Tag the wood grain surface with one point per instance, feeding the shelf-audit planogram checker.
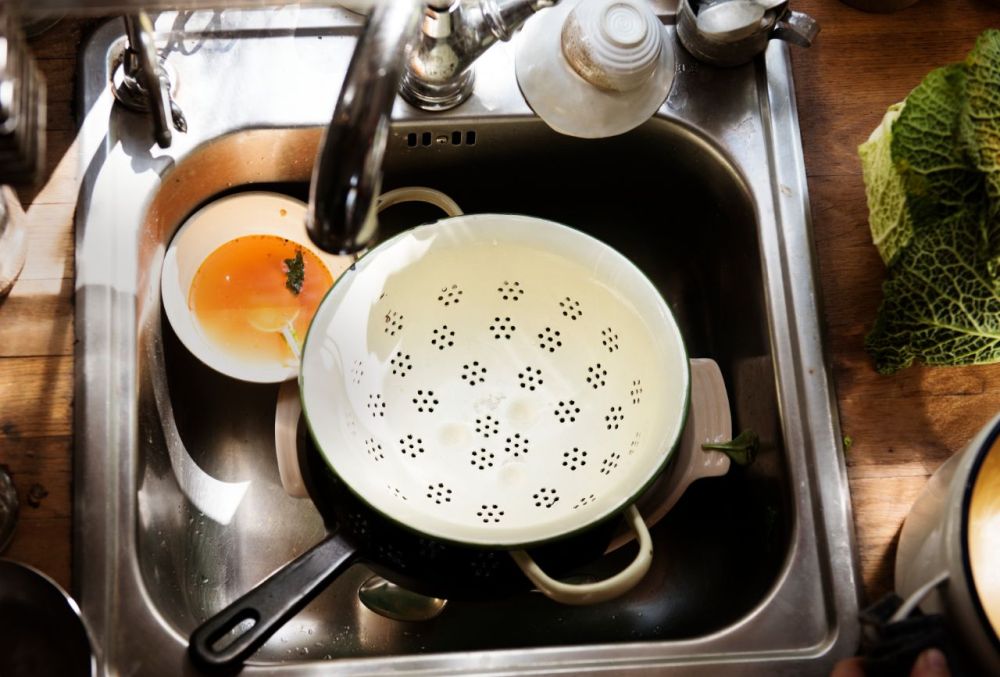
(903, 427)
(36, 332)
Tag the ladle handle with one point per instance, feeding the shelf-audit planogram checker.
(797, 28)
(268, 606)
(601, 591)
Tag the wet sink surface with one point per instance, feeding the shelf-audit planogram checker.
(195, 514)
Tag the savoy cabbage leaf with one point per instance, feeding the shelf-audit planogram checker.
(982, 112)
(941, 302)
(889, 219)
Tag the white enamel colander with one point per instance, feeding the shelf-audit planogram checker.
(497, 381)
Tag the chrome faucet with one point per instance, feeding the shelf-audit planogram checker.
(432, 69)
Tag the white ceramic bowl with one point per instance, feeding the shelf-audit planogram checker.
(256, 213)
(935, 566)
(620, 44)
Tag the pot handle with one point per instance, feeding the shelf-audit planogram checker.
(286, 448)
(268, 606)
(709, 420)
(601, 591)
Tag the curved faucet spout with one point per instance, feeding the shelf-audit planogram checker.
(348, 173)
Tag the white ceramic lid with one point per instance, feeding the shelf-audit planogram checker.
(621, 72)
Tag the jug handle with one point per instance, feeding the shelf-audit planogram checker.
(797, 28)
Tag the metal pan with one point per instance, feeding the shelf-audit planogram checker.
(358, 534)
(617, 383)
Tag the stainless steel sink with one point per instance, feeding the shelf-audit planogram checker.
(179, 508)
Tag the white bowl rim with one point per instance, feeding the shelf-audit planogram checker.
(175, 298)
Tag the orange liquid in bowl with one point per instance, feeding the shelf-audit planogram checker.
(984, 536)
(241, 300)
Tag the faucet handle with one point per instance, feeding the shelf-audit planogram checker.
(143, 85)
(439, 73)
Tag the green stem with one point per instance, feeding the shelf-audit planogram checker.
(742, 450)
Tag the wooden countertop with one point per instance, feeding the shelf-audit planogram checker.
(902, 426)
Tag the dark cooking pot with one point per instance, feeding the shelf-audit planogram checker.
(417, 358)
(359, 534)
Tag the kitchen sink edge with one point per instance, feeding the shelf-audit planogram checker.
(128, 630)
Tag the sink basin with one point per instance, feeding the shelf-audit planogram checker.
(179, 508)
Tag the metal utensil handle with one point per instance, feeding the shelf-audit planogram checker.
(919, 595)
(797, 28)
(269, 605)
(601, 591)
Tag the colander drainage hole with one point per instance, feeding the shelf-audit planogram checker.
(636, 392)
(597, 376)
(374, 449)
(443, 337)
(530, 378)
(401, 364)
(439, 493)
(570, 308)
(450, 295)
(395, 491)
(358, 371)
(586, 500)
(545, 498)
(610, 463)
(485, 564)
(393, 323)
(482, 459)
(609, 339)
(357, 522)
(487, 425)
(574, 459)
(502, 328)
(490, 513)
(376, 406)
(634, 444)
(411, 446)
(550, 339)
(425, 401)
(510, 291)
(566, 411)
(473, 373)
(614, 418)
(516, 445)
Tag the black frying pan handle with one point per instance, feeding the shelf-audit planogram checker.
(270, 604)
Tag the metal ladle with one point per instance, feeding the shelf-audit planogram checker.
(733, 32)
(392, 601)
(731, 20)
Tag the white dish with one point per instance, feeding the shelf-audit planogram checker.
(256, 213)
(625, 47)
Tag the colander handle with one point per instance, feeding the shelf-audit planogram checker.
(601, 591)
